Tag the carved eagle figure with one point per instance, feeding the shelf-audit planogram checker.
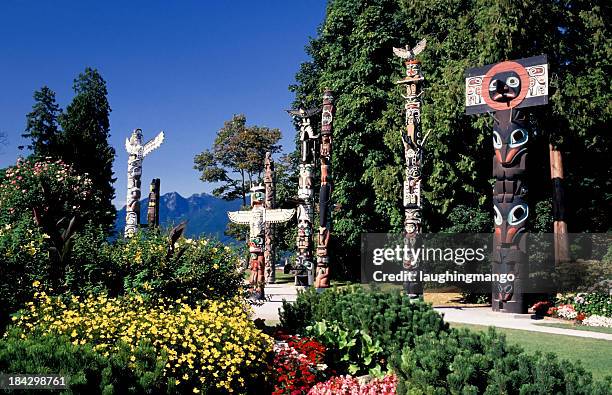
(301, 113)
(410, 54)
(134, 145)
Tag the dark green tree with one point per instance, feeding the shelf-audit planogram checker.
(42, 127)
(84, 140)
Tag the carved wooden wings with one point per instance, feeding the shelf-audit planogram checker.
(240, 217)
(153, 144)
(277, 216)
(407, 53)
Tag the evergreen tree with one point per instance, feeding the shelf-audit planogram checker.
(41, 125)
(84, 140)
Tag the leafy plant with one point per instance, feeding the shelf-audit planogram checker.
(371, 324)
(352, 351)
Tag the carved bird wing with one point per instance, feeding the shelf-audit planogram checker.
(403, 53)
(153, 144)
(240, 217)
(277, 216)
(304, 113)
(419, 47)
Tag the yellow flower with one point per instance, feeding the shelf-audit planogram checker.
(36, 284)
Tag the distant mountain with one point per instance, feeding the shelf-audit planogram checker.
(206, 214)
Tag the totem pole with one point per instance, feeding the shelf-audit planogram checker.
(257, 218)
(327, 118)
(304, 264)
(269, 252)
(504, 89)
(137, 151)
(413, 152)
(153, 207)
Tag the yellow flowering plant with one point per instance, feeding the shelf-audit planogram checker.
(194, 268)
(209, 347)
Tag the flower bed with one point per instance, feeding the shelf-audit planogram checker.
(298, 365)
(212, 347)
(348, 385)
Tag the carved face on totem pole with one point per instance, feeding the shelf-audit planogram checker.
(305, 190)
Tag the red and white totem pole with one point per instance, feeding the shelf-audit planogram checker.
(504, 90)
(413, 141)
(269, 251)
(325, 220)
(257, 218)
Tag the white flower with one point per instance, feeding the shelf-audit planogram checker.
(598, 320)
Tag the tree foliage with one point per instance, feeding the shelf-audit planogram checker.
(84, 140)
(352, 55)
(78, 136)
(42, 124)
(236, 159)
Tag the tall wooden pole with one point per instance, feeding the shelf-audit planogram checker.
(270, 251)
(412, 139)
(325, 192)
(304, 262)
(559, 225)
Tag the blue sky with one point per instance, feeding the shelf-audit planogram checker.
(179, 66)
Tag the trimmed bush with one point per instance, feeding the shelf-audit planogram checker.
(212, 347)
(87, 371)
(386, 322)
(464, 362)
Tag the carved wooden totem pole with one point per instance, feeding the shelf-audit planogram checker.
(325, 220)
(257, 218)
(269, 251)
(304, 264)
(153, 207)
(137, 151)
(413, 140)
(504, 89)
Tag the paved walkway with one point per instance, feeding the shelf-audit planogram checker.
(275, 294)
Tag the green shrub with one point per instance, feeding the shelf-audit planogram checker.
(86, 370)
(26, 257)
(390, 320)
(23, 260)
(465, 362)
(198, 269)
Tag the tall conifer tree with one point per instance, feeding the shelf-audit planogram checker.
(41, 124)
(84, 141)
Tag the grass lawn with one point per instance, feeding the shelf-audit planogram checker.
(577, 327)
(595, 354)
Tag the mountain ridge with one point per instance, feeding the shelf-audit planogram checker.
(206, 214)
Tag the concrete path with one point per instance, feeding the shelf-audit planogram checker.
(485, 316)
(275, 293)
